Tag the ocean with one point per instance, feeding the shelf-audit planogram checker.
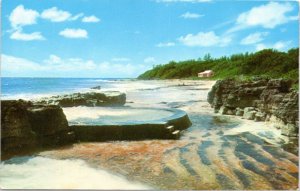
(30, 88)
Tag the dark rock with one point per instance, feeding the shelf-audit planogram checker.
(269, 97)
(231, 112)
(223, 110)
(96, 88)
(259, 116)
(249, 113)
(50, 124)
(27, 127)
(16, 132)
(282, 85)
(239, 112)
(289, 130)
(112, 98)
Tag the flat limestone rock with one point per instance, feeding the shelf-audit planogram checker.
(108, 98)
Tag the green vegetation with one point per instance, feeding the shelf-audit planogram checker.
(265, 63)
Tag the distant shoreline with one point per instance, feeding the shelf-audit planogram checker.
(267, 63)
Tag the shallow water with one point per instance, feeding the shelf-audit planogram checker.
(216, 152)
(113, 115)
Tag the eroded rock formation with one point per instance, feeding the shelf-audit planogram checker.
(112, 98)
(26, 127)
(259, 100)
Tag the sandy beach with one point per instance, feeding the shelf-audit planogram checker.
(216, 152)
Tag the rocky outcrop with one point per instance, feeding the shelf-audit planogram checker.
(26, 127)
(259, 100)
(112, 98)
(96, 88)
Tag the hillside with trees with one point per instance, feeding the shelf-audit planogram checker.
(265, 63)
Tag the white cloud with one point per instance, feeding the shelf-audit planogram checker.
(120, 70)
(189, 15)
(16, 65)
(107, 69)
(20, 17)
(184, 1)
(254, 38)
(294, 18)
(90, 19)
(74, 33)
(53, 59)
(267, 16)
(149, 60)
(55, 66)
(19, 35)
(280, 45)
(166, 44)
(204, 39)
(70, 64)
(120, 59)
(260, 46)
(56, 63)
(75, 17)
(55, 15)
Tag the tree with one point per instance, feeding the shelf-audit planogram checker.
(207, 57)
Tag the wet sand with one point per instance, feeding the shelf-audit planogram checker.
(216, 152)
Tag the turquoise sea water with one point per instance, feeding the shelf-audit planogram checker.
(16, 88)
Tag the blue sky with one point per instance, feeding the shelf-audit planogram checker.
(123, 38)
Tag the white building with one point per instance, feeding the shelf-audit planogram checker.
(206, 74)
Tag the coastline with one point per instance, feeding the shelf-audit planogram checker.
(205, 108)
(129, 158)
(193, 156)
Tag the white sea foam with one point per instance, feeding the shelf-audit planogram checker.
(37, 96)
(129, 86)
(46, 173)
(26, 96)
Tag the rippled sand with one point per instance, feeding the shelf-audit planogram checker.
(216, 152)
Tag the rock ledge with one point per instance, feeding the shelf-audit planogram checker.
(259, 100)
(109, 98)
(27, 127)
